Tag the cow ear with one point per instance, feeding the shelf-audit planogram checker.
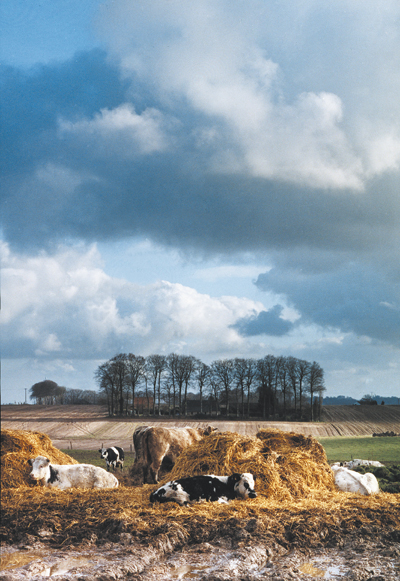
(30, 461)
(100, 451)
(236, 477)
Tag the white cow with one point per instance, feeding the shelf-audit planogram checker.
(71, 475)
(350, 481)
(357, 462)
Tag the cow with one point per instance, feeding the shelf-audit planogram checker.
(194, 489)
(155, 446)
(351, 481)
(113, 456)
(357, 462)
(71, 475)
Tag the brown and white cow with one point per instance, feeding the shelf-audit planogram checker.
(155, 446)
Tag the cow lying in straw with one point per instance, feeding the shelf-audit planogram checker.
(156, 446)
(71, 475)
(350, 481)
(357, 462)
(207, 487)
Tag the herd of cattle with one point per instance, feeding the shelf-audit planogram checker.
(159, 447)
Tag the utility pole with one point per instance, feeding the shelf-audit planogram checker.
(25, 395)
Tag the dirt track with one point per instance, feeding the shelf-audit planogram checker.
(87, 427)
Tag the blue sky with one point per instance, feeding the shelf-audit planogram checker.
(216, 178)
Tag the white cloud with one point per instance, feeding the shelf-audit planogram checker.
(66, 303)
(218, 57)
(201, 53)
(120, 130)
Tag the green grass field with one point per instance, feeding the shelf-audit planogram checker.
(340, 449)
(93, 457)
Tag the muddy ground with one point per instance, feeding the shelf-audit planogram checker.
(247, 553)
(365, 557)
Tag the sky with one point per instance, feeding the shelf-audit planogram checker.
(212, 178)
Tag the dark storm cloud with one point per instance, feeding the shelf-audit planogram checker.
(265, 323)
(32, 102)
(354, 298)
(62, 180)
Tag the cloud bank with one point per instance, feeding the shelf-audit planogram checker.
(218, 129)
(65, 306)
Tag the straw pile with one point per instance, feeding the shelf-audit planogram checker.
(286, 465)
(124, 515)
(17, 446)
(280, 514)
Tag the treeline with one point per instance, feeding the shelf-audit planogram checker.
(269, 387)
(48, 392)
(370, 399)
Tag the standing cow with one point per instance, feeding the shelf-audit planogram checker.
(114, 457)
(155, 446)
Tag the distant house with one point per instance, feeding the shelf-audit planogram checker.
(142, 405)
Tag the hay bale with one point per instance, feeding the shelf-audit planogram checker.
(17, 446)
(286, 466)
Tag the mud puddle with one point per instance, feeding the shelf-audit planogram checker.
(203, 562)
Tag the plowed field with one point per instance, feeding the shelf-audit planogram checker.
(85, 427)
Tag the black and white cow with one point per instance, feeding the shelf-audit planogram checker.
(206, 488)
(114, 457)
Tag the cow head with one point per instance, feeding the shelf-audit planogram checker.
(103, 453)
(244, 485)
(39, 467)
(207, 431)
(171, 491)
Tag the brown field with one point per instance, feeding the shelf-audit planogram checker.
(85, 427)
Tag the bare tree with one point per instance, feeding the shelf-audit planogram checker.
(245, 371)
(250, 376)
(189, 365)
(155, 365)
(202, 377)
(315, 384)
(291, 363)
(106, 379)
(265, 376)
(135, 366)
(302, 371)
(47, 392)
(223, 374)
(284, 383)
(215, 392)
(118, 364)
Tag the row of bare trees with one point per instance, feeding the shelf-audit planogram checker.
(241, 387)
(48, 392)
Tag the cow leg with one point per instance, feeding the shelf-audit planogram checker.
(146, 475)
(154, 473)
